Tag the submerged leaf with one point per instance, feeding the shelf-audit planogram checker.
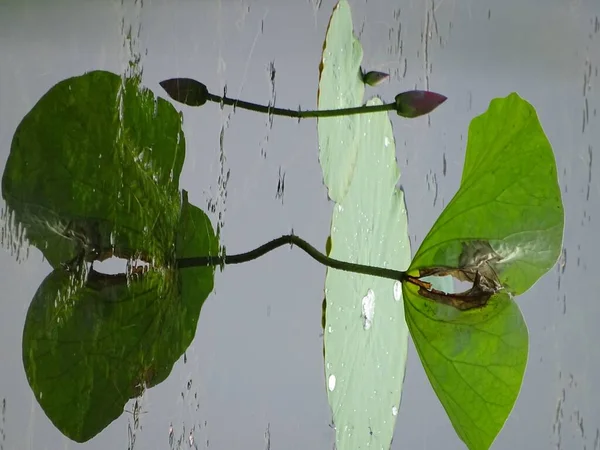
(94, 170)
(87, 350)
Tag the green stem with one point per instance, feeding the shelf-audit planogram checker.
(291, 240)
(299, 114)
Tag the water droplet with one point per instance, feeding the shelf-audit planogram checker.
(330, 330)
(368, 309)
(394, 410)
(386, 141)
(340, 208)
(331, 382)
(397, 291)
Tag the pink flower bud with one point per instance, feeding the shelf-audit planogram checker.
(413, 104)
(373, 78)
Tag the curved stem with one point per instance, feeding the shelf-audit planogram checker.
(300, 114)
(291, 240)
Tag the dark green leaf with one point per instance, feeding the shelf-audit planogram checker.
(88, 349)
(94, 171)
(94, 168)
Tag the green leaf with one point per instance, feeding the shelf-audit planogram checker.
(93, 167)
(365, 335)
(340, 86)
(93, 171)
(88, 349)
(509, 199)
(195, 236)
(475, 360)
(502, 231)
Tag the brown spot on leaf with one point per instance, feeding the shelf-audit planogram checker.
(477, 266)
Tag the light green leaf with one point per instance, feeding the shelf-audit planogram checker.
(502, 231)
(365, 332)
(366, 336)
(340, 86)
(475, 360)
(508, 199)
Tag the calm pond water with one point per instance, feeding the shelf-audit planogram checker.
(253, 375)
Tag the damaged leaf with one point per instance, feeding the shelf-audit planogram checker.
(501, 232)
(508, 211)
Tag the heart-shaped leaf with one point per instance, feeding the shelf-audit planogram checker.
(502, 231)
(93, 171)
(88, 349)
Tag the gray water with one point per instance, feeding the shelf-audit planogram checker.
(255, 368)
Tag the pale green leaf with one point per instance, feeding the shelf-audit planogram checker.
(340, 86)
(365, 332)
